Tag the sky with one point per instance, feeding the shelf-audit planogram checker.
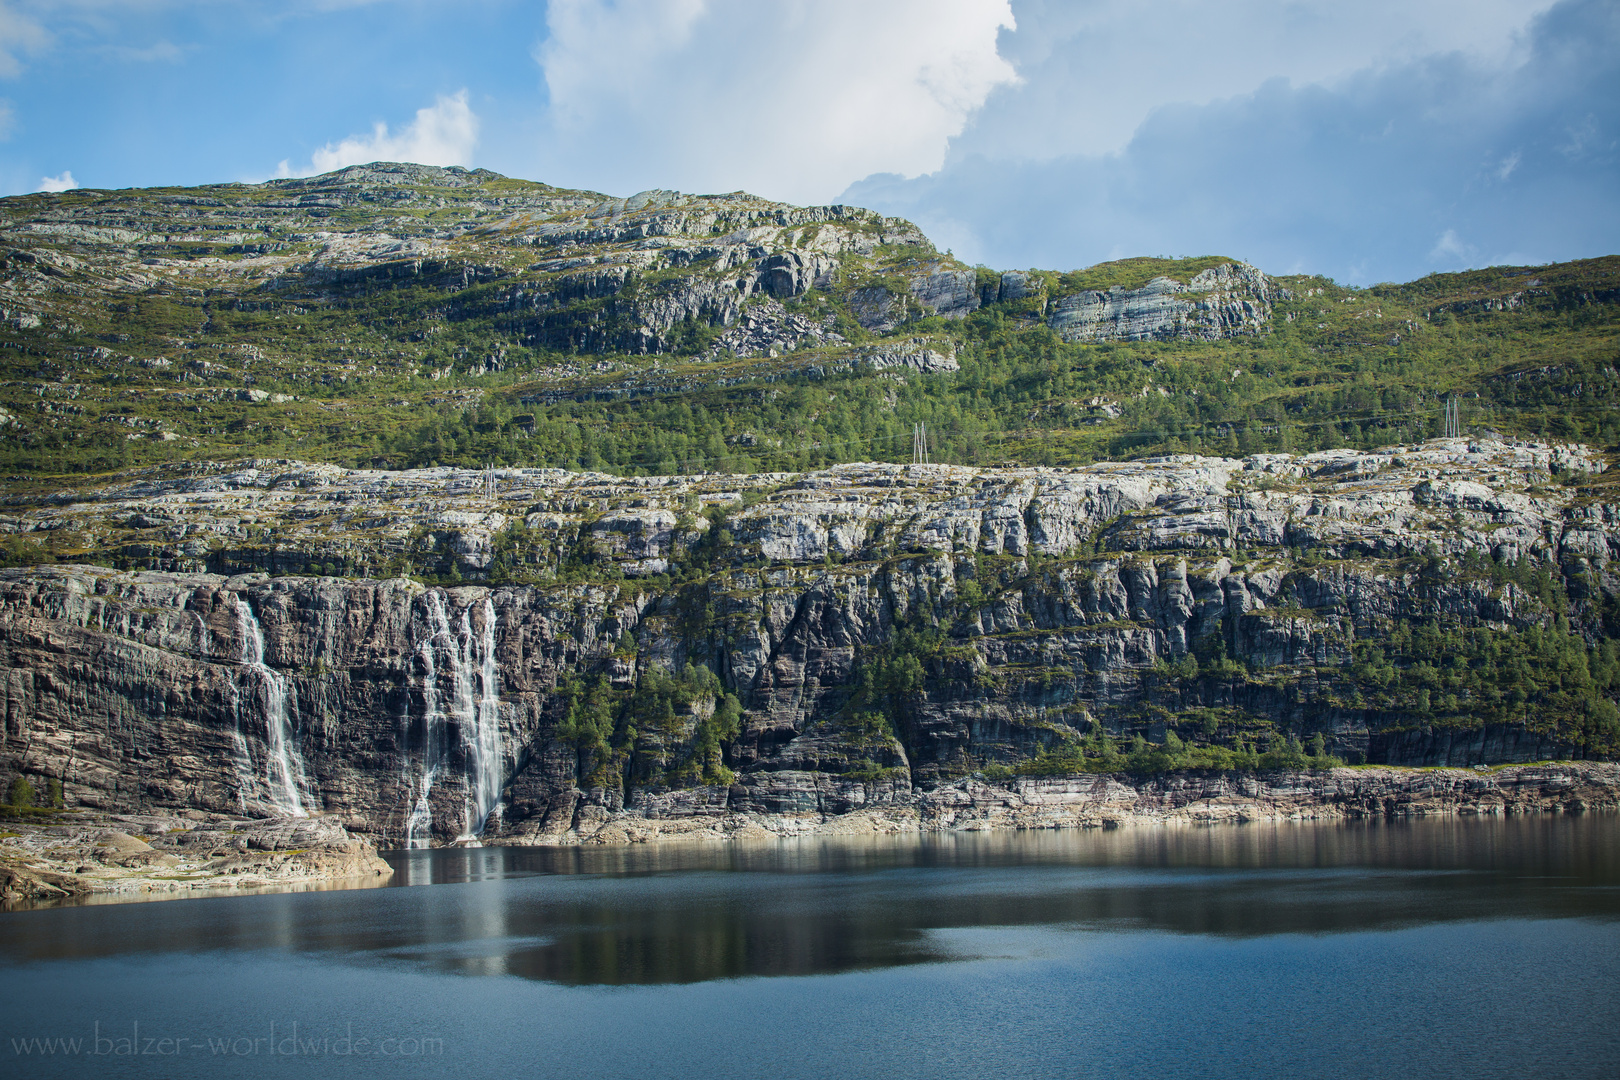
(1374, 141)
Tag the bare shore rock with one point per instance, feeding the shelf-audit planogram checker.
(165, 856)
(1111, 801)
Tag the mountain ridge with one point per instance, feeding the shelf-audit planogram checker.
(407, 315)
(465, 506)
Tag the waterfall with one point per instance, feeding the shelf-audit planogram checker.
(284, 778)
(433, 721)
(482, 738)
(474, 704)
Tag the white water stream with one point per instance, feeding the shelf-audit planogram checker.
(271, 697)
(482, 738)
(419, 823)
(475, 707)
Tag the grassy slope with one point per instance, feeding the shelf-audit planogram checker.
(353, 362)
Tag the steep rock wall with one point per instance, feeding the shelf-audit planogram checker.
(874, 632)
(1221, 302)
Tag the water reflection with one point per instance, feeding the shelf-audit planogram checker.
(676, 914)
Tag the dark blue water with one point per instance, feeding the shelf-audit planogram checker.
(1480, 948)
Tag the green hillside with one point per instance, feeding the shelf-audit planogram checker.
(167, 324)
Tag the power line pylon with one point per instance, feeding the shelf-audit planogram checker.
(919, 444)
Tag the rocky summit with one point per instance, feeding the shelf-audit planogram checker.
(569, 269)
(418, 506)
(399, 316)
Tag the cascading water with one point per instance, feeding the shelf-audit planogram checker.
(482, 738)
(284, 778)
(475, 707)
(420, 822)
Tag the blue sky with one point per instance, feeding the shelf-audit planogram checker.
(1375, 141)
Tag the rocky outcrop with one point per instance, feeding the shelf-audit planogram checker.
(1112, 801)
(873, 632)
(951, 294)
(768, 329)
(793, 273)
(163, 856)
(540, 267)
(1221, 302)
(640, 316)
(1016, 285)
(878, 309)
(915, 355)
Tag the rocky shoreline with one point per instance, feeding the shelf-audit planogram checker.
(128, 857)
(1111, 801)
(118, 858)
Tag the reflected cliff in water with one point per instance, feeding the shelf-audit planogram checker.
(680, 914)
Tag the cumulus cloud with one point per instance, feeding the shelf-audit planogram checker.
(65, 182)
(444, 133)
(790, 99)
(1377, 175)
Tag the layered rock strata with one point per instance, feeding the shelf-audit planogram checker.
(280, 516)
(1224, 301)
(1122, 599)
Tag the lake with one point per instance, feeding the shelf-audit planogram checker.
(1443, 948)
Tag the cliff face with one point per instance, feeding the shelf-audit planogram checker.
(874, 632)
(1222, 302)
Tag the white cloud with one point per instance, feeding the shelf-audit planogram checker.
(1450, 248)
(790, 99)
(8, 120)
(18, 35)
(65, 182)
(1382, 175)
(161, 52)
(1581, 135)
(1093, 72)
(444, 133)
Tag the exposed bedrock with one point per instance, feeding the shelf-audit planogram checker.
(874, 633)
(163, 855)
(1222, 302)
